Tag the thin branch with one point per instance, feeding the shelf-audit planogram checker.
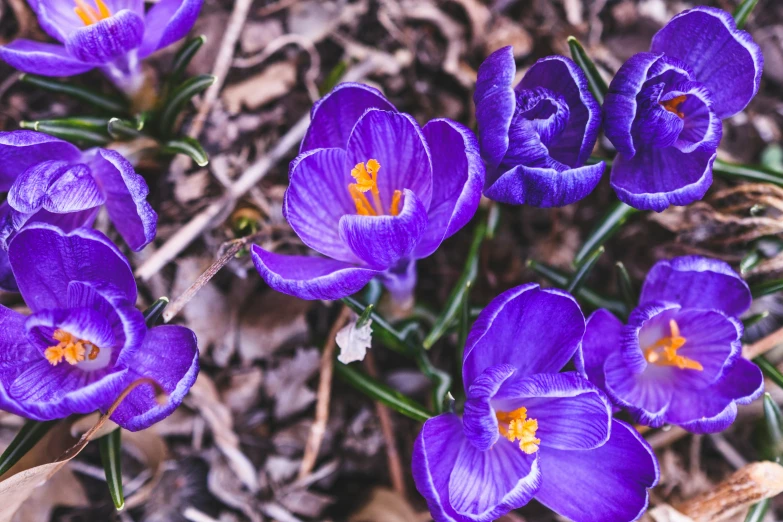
(318, 427)
(762, 346)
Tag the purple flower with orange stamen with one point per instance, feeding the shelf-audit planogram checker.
(51, 181)
(679, 358)
(537, 136)
(529, 431)
(373, 192)
(112, 35)
(664, 108)
(84, 341)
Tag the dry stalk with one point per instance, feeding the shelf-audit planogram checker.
(396, 474)
(318, 428)
(763, 345)
(736, 494)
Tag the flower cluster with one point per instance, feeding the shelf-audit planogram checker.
(111, 35)
(371, 192)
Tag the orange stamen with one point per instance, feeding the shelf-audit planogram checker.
(88, 14)
(395, 206)
(70, 348)
(516, 426)
(664, 351)
(673, 105)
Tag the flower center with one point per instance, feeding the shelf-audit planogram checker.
(673, 105)
(516, 426)
(664, 351)
(70, 348)
(367, 180)
(89, 14)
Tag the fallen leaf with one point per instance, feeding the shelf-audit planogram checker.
(286, 383)
(268, 321)
(385, 505)
(63, 489)
(276, 80)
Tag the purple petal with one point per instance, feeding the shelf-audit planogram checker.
(702, 127)
(656, 178)
(396, 142)
(697, 282)
(83, 323)
(45, 261)
(434, 454)
(495, 104)
(722, 57)
(15, 352)
(607, 483)
(714, 409)
(655, 126)
(620, 105)
(485, 485)
(42, 58)
(310, 277)
(20, 150)
(545, 187)
(169, 355)
(56, 17)
(572, 414)
(532, 329)
(382, 241)
(56, 186)
(603, 335)
(564, 77)
(107, 39)
(316, 199)
(7, 279)
(481, 424)
(334, 116)
(167, 22)
(457, 179)
(126, 198)
(400, 281)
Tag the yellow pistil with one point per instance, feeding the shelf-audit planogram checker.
(673, 105)
(88, 14)
(366, 177)
(664, 351)
(70, 348)
(516, 426)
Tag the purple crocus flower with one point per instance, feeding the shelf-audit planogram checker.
(679, 358)
(535, 138)
(529, 431)
(84, 341)
(50, 180)
(373, 192)
(664, 108)
(112, 35)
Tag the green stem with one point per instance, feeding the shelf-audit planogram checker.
(583, 271)
(612, 221)
(742, 12)
(595, 82)
(111, 458)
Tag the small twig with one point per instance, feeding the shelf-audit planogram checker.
(222, 64)
(396, 473)
(728, 451)
(763, 345)
(318, 427)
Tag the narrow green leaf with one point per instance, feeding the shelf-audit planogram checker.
(766, 288)
(615, 218)
(110, 446)
(99, 101)
(68, 132)
(755, 173)
(585, 294)
(76, 122)
(382, 393)
(122, 129)
(392, 338)
(183, 58)
(769, 370)
(750, 261)
(595, 82)
(754, 319)
(583, 271)
(773, 421)
(627, 289)
(365, 316)
(154, 311)
(742, 12)
(333, 78)
(189, 147)
(454, 302)
(179, 97)
(757, 512)
(28, 436)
